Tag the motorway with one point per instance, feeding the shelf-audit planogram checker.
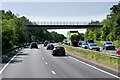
(39, 63)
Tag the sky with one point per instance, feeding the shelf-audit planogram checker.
(60, 11)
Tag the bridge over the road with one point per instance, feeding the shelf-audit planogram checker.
(61, 25)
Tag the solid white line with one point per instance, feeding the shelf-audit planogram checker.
(46, 63)
(53, 72)
(96, 68)
(7, 64)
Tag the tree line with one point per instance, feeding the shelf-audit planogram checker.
(14, 33)
(111, 27)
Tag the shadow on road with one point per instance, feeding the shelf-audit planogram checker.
(15, 61)
(67, 55)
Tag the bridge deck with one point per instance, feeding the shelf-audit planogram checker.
(62, 26)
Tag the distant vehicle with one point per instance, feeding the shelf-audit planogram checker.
(80, 43)
(84, 45)
(45, 43)
(59, 50)
(93, 46)
(65, 42)
(89, 41)
(50, 47)
(118, 51)
(52, 41)
(33, 45)
(108, 45)
(73, 38)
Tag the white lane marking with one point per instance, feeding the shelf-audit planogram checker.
(7, 64)
(42, 57)
(96, 68)
(46, 63)
(53, 72)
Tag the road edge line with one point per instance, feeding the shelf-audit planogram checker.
(8, 63)
(95, 67)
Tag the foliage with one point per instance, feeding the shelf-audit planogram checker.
(111, 29)
(14, 33)
(103, 58)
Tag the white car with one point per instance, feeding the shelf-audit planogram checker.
(92, 46)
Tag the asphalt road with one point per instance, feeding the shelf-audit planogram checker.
(39, 63)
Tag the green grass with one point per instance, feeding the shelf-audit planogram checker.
(95, 56)
(116, 43)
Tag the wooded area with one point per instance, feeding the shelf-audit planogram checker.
(14, 33)
(111, 29)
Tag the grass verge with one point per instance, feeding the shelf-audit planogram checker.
(103, 58)
(9, 54)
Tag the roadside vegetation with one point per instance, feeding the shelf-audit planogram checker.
(111, 29)
(14, 32)
(103, 58)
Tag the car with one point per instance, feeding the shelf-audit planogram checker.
(93, 46)
(33, 45)
(45, 43)
(50, 47)
(89, 41)
(65, 42)
(108, 45)
(84, 45)
(58, 50)
(80, 43)
(118, 51)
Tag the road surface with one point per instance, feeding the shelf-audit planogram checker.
(39, 63)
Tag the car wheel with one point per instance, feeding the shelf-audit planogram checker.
(105, 48)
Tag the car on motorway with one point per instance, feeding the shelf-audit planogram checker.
(89, 41)
(84, 45)
(58, 50)
(33, 45)
(50, 47)
(118, 51)
(80, 43)
(108, 45)
(93, 46)
(65, 42)
(45, 43)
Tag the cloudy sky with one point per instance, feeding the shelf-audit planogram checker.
(60, 11)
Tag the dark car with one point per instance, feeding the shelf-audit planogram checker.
(59, 50)
(45, 44)
(108, 45)
(93, 46)
(80, 43)
(84, 45)
(50, 47)
(33, 45)
(89, 41)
